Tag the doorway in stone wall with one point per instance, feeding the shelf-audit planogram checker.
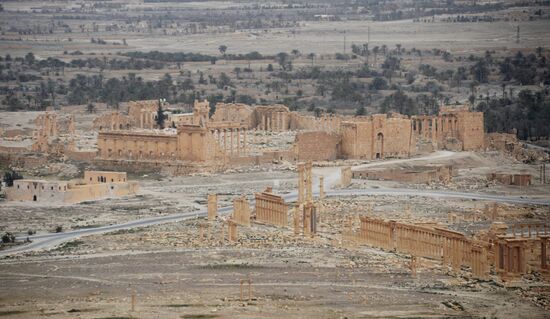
(379, 146)
(34, 198)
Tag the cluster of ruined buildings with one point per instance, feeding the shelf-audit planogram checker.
(502, 251)
(193, 141)
(95, 185)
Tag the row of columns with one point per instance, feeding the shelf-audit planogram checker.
(146, 119)
(527, 230)
(275, 122)
(453, 249)
(329, 123)
(434, 127)
(418, 242)
(510, 257)
(232, 140)
(271, 211)
(375, 233)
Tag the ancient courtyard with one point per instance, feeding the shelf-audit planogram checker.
(392, 164)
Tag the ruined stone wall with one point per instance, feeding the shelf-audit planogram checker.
(471, 130)
(274, 118)
(453, 128)
(326, 122)
(511, 179)
(503, 142)
(234, 112)
(316, 146)
(84, 156)
(154, 145)
(175, 120)
(376, 136)
(80, 193)
(28, 161)
(413, 175)
(197, 144)
(190, 143)
(112, 121)
(143, 113)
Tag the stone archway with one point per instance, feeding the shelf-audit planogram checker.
(379, 146)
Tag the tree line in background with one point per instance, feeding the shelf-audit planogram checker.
(409, 91)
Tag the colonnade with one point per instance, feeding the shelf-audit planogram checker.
(271, 209)
(528, 230)
(232, 141)
(275, 122)
(435, 127)
(452, 248)
(146, 119)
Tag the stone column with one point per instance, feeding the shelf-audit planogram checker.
(245, 146)
(301, 188)
(225, 140)
(321, 187)
(238, 142)
(231, 142)
(212, 206)
(309, 186)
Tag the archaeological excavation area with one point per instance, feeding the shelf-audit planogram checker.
(236, 210)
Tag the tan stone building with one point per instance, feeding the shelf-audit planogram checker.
(377, 136)
(112, 121)
(454, 128)
(95, 185)
(143, 114)
(317, 146)
(53, 134)
(187, 143)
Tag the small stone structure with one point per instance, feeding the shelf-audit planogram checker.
(305, 183)
(309, 219)
(95, 185)
(453, 128)
(271, 209)
(212, 206)
(305, 212)
(241, 211)
(377, 136)
(511, 179)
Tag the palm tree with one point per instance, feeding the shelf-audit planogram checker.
(222, 48)
(311, 56)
